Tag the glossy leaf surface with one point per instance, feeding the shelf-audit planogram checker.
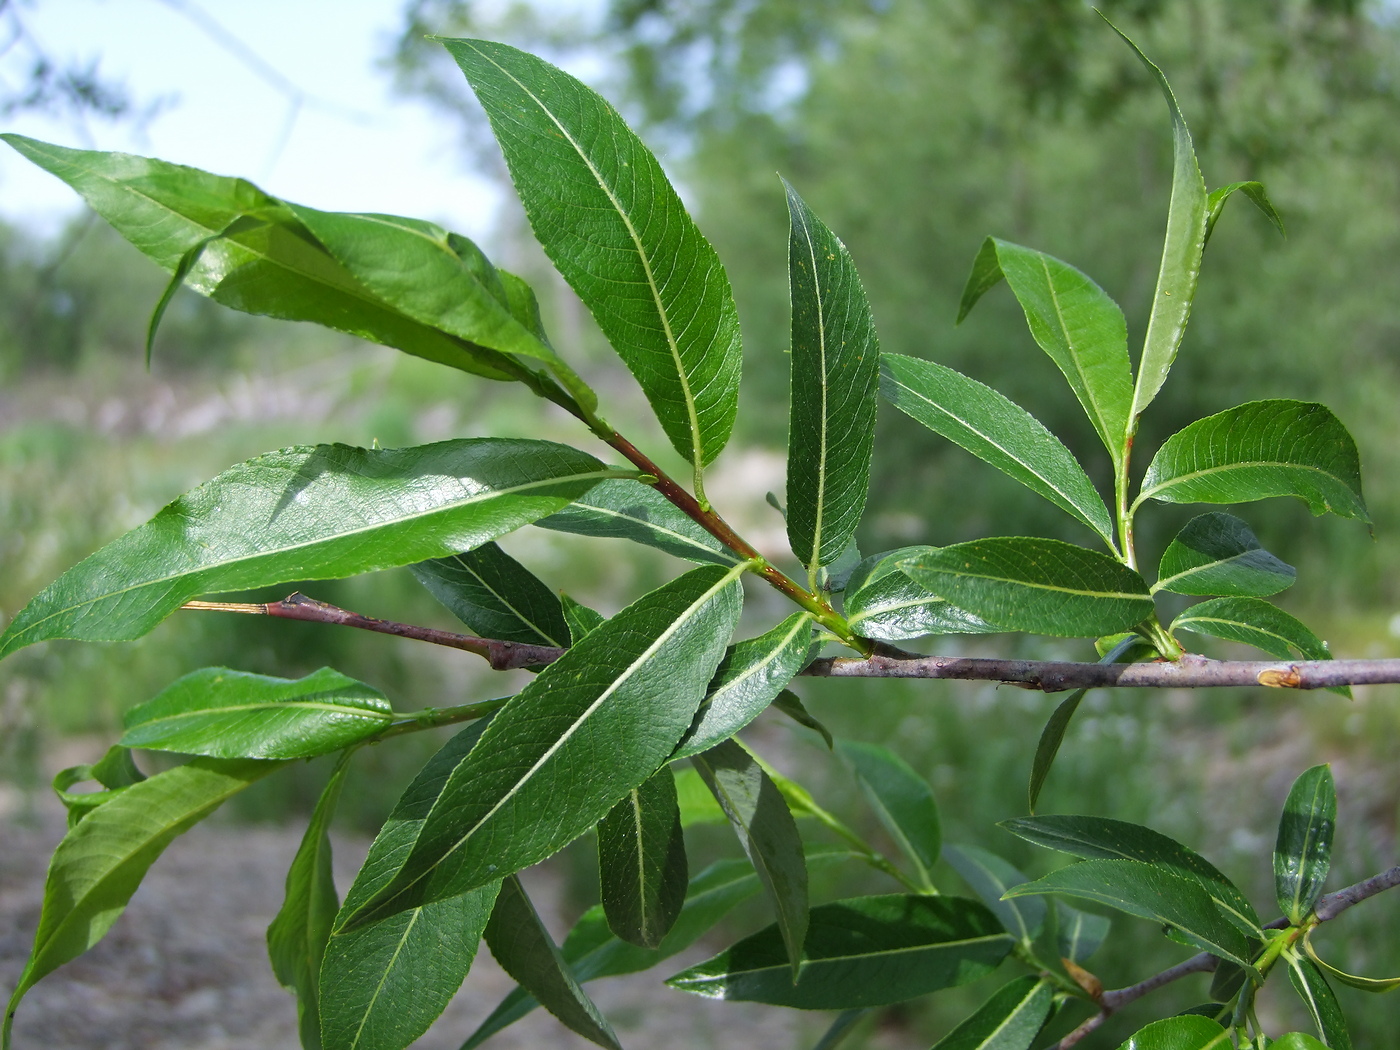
(496, 596)
(1038, 585)
(989, 876)
(1252, 621)
(1320, 1001)
(1375, 985)
(321, 512)
(620, 509)
(901, 799)
(581, 619)
(1009, 1020)
(1303, 850)
(1217, 553)
(883, 603)
(1180, 1033)
(641, 862)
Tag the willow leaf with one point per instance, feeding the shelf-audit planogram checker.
(642, 869)
(1009, 1020)
(1303, 850)
(632, 511)
(883, 603)
(496, 596)
(1217, 553)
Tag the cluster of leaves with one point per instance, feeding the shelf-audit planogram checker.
(591, 741)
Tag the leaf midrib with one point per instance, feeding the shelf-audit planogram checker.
(1117, 595)
(813, 964)
(804, 620)
(1100, 423)
(266, 705)
(1248, 464)
(682, 537)
(823, 427)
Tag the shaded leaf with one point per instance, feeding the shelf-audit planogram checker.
(989, 876)
(641, 861)
(790, 704)
(1252, 621)
(1009, 1020)
(1303, 850)
(1080, 933)
(623, 509)
(495, 596)
(1215, 205)
(883, 603)
(581, 619)
(1364, 984)
(697, 804)
(1180, 1033)
(115, 771)
(1318, 998)
(844, 1024)
(901, 799)
(1217, 553)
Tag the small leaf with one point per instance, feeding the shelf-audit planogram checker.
(1228, 980)
(1038, 585)
(641, 862)
(115, 771)
(1303, 852)
(865, 951)
(1009, 1020)
(697, 805)
(232, 714)
(990, 877)
(1217, 553)
(764, 825)
(629, 510)
(995, 430)
(885, 604)
(1215, 204)
(1257, 450)
(1251, 621)
(1318, 998)
(581, 619)
(496, 596)
(524, 949)
(1364, 984)
(1180, 1033)
(901, 799)
(1080, 933)
(790, 704)
(1296, 1041)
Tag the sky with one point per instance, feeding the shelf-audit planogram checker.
(356, 147)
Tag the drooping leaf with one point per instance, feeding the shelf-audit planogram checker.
(1215, 204)
(1261, 449)
(632, 511)
(865, 951)
(765, 828)
(1375, 985)
(614, 706)
(115, 771)
(321, 512)
(885, 604)
(835, 368)
(233, 714)
(1080, 933)
(1009, 1020)
(1252, 621)
(1319, 999)
(496, 596)
(750, 676)
(1038, 585)
(995, 430)
(790, 704)
(523, 947)
(1217, 553)
(611, 223)
(1303, 850)
(901, 799)
(1180, 1033)
(989, 876)
(642, 868)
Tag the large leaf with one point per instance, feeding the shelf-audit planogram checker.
(1190, 1032)
(303, 513)
(1321, 1002)
(1039, 585)
(588, 729)
(835, 368)
(1075, 323)
(632, 511)
(866, 951)
(1261, 449)
(996, 430)
(642, 868)
(1217, 553)
(496, 596)
(901, 799)
(233, 714)
(989, 876)
(885, 604)
(609, 220)
(1303, 850)
(1252, 621)
(750, 676)
(761, 819)
(1009, 1020)
(100, 862)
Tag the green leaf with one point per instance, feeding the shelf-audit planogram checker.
(581, 619)
(988, 876)
(641, 862)
(1150, 891)
(1215, 205)
(1102, 838)
(496, 596)
(524, 949)
(629, 510)
(997, 431)
(1257, 450)
(1217, 553)
(1180, 1033)
(750, 676)
(609, 220)
(1296, 1041)
(1075, 322)
(115, 771)
(835, 368)
(885, 604)
(1038, 585)
(233, 714)
(865, 951)
(1318, 998)
(1303, 851)
(321, 512)
(1364, 984)
(100, 862)
(1252, 621)
(1080, 933)
(901, 799)
(836, 1034)
(589, 728)
(765, 827)
(296, 939)
(790, 704)
(697, 805)
(1009, 1020)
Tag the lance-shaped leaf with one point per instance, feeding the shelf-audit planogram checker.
(790, 704)
(1215, 204)
(589, 728)
(1080, 933)
(761, 819)
(496, 596)
(232, 242)
(296, 939)
(321, 512)
(233, 714)
(642, 868)
(1319, 999)
(100, 862)
(989, 876)
(901, 799)
(1181, 256)
(1303, 851)
(629, 510)
(997, 431)
(1151, 891)
(865, 951)
(1009, 1020)
(1075, 323)
(1217, 553)
(1252, 621)
(609, 220)
(1257, 450)
(750, 676)
(524, 949)
(1363, 984)
(1189, 1032)
(1038, 585)
(581, 619)
(885, 604)
(835, 367)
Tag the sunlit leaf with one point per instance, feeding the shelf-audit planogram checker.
(883, 603)
(1303, 850)
(642, 869)
(1252, 621)
(1180, 1033)
(1217, 553)
(1009, 1020)
(629, 510)
(115, 771)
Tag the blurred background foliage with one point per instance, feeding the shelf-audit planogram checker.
(914, 128)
